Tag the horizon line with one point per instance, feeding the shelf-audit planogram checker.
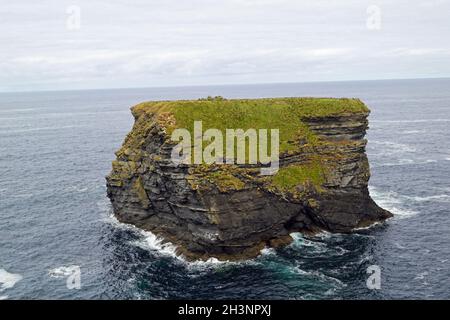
(223, 85)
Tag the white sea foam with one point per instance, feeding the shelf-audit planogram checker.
(421, 275)
(400, 162)
(399, 246)
(323, 234)
(437, 198)
(105, 209)
(213, 264)
(152, 242)
(391, 201)
(318, 274)
(315, 246)
(300, 271)
(330, 292)
(412, 131)
(148, 240)
(63, 271)
(341, 251)
(404, 162)
(268, 251)
(77, 189)
(8, 280)
(369, 226)
(394, 147)
(391, 197)
(365, 259)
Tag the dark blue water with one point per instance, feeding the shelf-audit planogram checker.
(56, 148)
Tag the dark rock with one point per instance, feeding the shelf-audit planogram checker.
(236, 219)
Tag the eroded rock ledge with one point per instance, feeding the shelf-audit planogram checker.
(229, 211)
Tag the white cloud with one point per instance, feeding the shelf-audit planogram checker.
(171, 42)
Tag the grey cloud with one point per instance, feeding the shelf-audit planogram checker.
(163, 43)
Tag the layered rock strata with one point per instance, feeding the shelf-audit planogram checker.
(231, 212)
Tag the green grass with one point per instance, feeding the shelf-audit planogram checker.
(285, 114)
(288, 178)
(225, 181)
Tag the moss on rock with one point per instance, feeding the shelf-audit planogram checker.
(231, 211)
(289, 115)
(291, 177)
(285, 114)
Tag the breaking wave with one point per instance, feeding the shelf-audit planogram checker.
(393, 147)
(403, 162)
(8, 280)
(158, 245)
(150, 241)
(147, 240)
(319, 275)
(63, 271)
(437, 198)
(392, 201)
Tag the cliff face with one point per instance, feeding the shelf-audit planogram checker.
(231, 211)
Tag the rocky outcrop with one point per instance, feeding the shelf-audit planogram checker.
(230, 211)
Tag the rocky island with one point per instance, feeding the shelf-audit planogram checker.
(232, 211)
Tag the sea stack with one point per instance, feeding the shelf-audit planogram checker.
(232, 211)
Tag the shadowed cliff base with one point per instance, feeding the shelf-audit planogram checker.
(231, 212)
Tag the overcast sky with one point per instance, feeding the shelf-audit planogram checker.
(140, 43)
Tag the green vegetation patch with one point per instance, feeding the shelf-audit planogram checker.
(290, 177)
(289, 115)
(285, 114)
(225, 181)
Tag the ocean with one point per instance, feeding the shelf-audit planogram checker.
(57, 147)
